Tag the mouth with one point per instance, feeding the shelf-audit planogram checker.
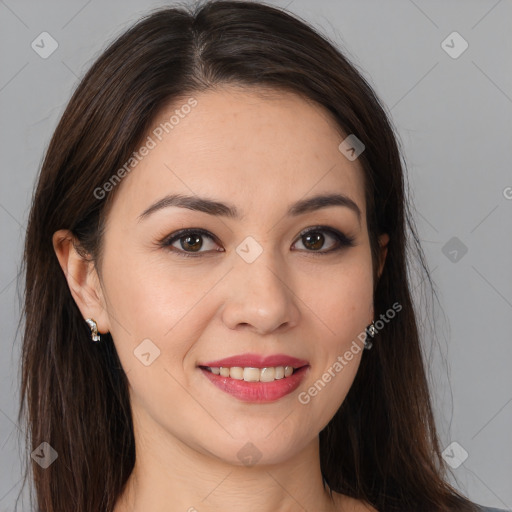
(252, 374)
(256, 385)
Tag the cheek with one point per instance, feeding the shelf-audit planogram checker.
(341, 298)
(145, 302)
(154, 323)
(341, 302)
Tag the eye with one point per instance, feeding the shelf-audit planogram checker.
(190, 241)
(313, 239)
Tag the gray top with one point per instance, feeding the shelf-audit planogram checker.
(490, 509)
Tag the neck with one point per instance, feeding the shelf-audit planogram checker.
(175, 477)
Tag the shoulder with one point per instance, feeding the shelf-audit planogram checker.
(347, 504)
(353, 505)
(490, 509)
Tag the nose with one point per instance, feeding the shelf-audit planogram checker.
(259, 296)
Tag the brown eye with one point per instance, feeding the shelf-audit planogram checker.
(190, 241)
(314, 239)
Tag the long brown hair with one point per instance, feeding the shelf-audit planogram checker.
(381, 446)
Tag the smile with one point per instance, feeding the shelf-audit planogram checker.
(248, 384)
(249, 374)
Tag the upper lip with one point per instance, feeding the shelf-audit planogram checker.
(257, 361)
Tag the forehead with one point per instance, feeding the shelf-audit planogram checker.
(260, 150)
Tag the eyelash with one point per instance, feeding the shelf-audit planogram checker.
(342, 239)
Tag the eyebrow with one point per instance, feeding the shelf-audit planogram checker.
(217, 208)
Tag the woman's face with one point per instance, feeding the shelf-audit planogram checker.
(252, 284)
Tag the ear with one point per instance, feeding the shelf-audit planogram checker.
(82, 279)
(383, 244)
(383, 252)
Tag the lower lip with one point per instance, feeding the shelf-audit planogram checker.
(258, 392)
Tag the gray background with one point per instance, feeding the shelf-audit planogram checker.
(454, 118)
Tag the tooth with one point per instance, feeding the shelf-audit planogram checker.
(236, 372)
(267, 374)
(251, 374)
(279, 372)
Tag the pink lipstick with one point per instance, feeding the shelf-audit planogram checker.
(255, 378)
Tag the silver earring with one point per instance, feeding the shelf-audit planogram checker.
(371, 331)
(94, 329)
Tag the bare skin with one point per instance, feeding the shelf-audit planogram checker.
(260, 154)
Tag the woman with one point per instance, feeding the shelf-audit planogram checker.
(217, 307)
